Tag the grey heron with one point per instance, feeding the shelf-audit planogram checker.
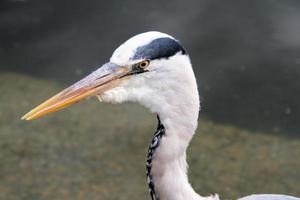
(154, 70)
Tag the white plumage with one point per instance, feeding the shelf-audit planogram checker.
(167, 87)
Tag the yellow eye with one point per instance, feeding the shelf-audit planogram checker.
(144, 64)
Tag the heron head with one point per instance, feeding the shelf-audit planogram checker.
(148, 68)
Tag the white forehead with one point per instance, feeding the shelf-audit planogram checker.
(125, 51)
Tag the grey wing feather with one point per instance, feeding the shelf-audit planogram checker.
(269, 197)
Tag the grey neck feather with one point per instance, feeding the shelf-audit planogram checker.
(160, 132)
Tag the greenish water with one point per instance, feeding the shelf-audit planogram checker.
(98, 151)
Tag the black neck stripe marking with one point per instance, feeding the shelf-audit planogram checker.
(160, 132)
(158, 48)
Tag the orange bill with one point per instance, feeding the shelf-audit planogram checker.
(101, 80)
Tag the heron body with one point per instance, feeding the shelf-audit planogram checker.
(152, 69)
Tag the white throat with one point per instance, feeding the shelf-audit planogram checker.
(167, 167)
(179, 118)
(168, 172)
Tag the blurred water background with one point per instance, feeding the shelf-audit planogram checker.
(246, 56)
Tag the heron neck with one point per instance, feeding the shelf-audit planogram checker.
(167, 177)
(167, 166)
(166, 163)
(177, 106)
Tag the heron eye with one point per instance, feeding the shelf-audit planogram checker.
(144, 64)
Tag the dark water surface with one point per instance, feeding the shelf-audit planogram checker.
(97, 151)
(245, 53)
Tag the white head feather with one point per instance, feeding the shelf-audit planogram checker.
(168, 89)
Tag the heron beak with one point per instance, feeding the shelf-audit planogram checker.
(106, 77)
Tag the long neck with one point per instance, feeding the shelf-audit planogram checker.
(166, 162)
(177, 106)
(167, 168)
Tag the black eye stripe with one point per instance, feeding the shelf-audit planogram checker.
(158, 48)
